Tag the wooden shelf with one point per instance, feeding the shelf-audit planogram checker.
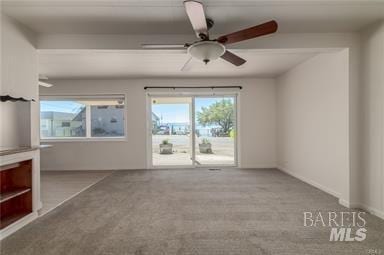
(8, 220)
(15, 192)
(5, 196)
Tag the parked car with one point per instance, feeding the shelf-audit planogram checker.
(180, 131)
(163, 130)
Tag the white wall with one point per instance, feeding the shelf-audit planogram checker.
(372, 174)
(313, 123)
(257, 124)
(350, 41)
(19, 72)
(19, 79)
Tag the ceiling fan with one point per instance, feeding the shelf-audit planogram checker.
(206, 49)
(43, 81)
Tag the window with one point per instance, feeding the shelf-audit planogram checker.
(66, 124)
(82, 117)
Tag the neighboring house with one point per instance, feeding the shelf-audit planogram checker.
(107, 120)
(155, 121)
(60, 124)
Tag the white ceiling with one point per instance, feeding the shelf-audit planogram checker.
(154, 63)
(168, 17)
(162, 17)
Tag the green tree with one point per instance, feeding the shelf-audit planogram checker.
(220, 113)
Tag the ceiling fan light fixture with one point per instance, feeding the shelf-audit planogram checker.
(206, 50)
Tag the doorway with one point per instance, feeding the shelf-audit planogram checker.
(192, 131)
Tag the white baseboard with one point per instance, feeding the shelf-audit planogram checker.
(373, 211)
(347, 204)
(310, 182)
(87, 169)
(369, 209)
(342, 202)
(258, 167)
(116, 169)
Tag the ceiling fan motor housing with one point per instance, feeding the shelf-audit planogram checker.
(210, 23)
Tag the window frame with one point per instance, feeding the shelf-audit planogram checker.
(88, 132)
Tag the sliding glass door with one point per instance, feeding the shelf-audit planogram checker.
(171, 131)
(192, 131)
(215, 129)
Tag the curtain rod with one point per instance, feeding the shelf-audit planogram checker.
(209, 87)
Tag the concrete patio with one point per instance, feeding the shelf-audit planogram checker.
(222, 148)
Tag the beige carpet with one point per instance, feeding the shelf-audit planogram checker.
(190, 212)
(59, 186)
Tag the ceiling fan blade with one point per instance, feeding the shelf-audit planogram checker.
(163, 46)
(232, 58)
(195, 12)
(186, 65)
(249, 33)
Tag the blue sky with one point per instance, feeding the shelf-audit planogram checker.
(60, 106)
(179, 113)
(170, 113)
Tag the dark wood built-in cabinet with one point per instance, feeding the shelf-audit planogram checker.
(15, 192)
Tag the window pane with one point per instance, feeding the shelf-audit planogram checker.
(215, 130)
(107, 118)
(85, 117)
(62, 119)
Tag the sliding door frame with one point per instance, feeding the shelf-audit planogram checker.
(149, 148)
(235, 156)
(193, 96)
